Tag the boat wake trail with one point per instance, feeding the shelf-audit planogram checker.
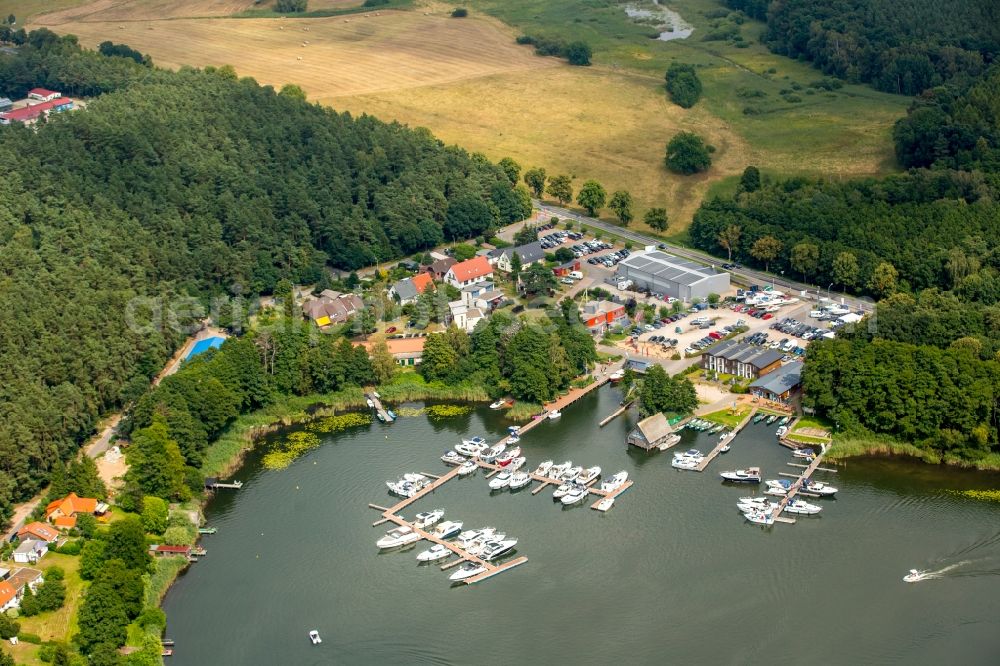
(979, 558)
(975, 546)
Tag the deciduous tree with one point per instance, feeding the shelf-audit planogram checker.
(561, 188)
(766, 249)
(535, 180)
(592, 197)
(656, 218)
(621, 203)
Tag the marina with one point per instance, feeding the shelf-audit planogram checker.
(663, 556)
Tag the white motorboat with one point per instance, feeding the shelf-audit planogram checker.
(543, 469)
(468, 570)
(749, 475)
(448, 529)
(427, 518)
(556, 471)
(818, 488)
(490, 454)
(468, 450)
(519, 480)
(504, 459)
(477, 441)
(314, 635)
(808, 454)
(554, 414)
(469, 537)
(513, 439)
(605, 504)
(588, 475)
(781, 431)
(414, 477)
(516, 463)
(571, 473)
(467, 468)
(724, 449)
(747, 504)
(479, 545)
(408, 486)
(499, 404)
(690, 453)
(560, 491)
(784, 484)
(371, 404)
(759, 517)
(434, 553)
(802, 507)
(501, 480)
(494, 549)
(685, 463)
(776, 491)
(615, 482)
(616, 376)
(398, 536)
(452, 458)
(575, 494)
(915, 576)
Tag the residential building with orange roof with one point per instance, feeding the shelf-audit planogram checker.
(62, 512)
(464, 273)
(8, 596)
(39, 532)
(406, 351)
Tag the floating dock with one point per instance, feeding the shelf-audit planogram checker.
(380, 411)
(796, 488)
(618, 412)
(232, 485)
(725, 441)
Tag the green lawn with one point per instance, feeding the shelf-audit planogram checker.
(727, 417)
(806, 439)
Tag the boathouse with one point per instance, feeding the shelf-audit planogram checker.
(651, 432)
(164, 550)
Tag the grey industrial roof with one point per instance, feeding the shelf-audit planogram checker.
(783, 379)
(668, 267)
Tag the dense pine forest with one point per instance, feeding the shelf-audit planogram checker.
(926, 368)
(188, 183)
(897, 46)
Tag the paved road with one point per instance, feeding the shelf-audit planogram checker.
(744, 274)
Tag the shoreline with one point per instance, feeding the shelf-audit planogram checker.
(857, 447)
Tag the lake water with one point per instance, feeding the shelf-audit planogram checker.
(672, 574)
(670, 24)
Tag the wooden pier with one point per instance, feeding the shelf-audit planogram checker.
(796, 488)
(724, 442)
(380, 411)
(572, 396)
(618, 412)
(233, 485)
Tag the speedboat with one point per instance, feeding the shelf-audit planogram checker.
(759, 517)
(468, 467)
(571, 473)
(398, 536)
(427, 518)
(615, 482)
(750, 475)
(616, 376)
(588, 475)
(504, 459)
(452, 458)
(519, 480)
(561, 490)
(517, 463)
(468, 570)
(915, 576)
(772, 418)
(434, 553)
(605, 504)
(448, 529)
(802, 507)
(575, 494)
(804, 453)
(490, 454)
(499, 404)
(818, 487)
(554, 414)
(494, 549)
(543, 469)
(725, 449)
(501, 480)
(314, 637)
(685, 463)
(781, 431)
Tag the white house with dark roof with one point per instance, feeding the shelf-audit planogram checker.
(529, 254)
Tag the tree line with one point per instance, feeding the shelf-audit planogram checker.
(194, 184)
(897, 47)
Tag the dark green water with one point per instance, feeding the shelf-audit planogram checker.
(671, 574)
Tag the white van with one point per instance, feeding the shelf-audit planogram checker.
(576, 275)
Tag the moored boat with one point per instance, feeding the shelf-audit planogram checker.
(448, 529)
(398, 536)
(685, 463)
(749, 475)
(759, 517)
(452, 458)
(494, 549)
(519, 480)
(605, 504)
(504, 459)
(468, 570)
(501, 480)
(746, 504)
(758, 418)
(489, 455)
(616, 376)
(427, 518)
(517, 463)
(554, 414)
(781, 432)
(575, 494)
(434, 553)
(725, 449)
(543, 469)
(560, 491)
(804, 453)
(313, 636)
(802, 507)
(499, 404)
(467, 468)
(783, 420)
(556, 471)
(772, 418)
(588, 475)
(818, 487)
(614, 482)
(571, 473)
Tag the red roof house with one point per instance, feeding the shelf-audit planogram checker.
(62, 512)
(163, 550)
(39, 532)
(43, 95)
(31, 113)
(474, 270)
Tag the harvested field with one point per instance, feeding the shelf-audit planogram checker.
(138, 10)
(586, 122)
(328, 57)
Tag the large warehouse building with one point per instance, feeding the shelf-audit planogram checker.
(665, 274)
